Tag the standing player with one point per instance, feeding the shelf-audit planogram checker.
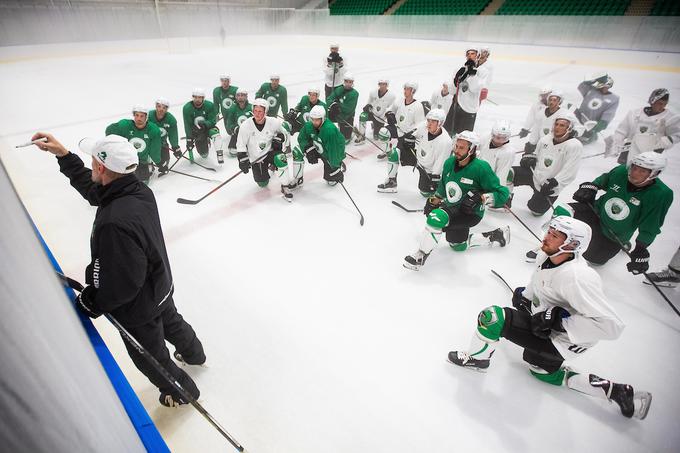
(334, 70)
(635, 199)
(486, 70)
(433, 147)
(146, 138)
(321, 139)
(535, 113)
(260, 144)
(402, 119)
(466, 185)
(239, 111)
(298, 116)
(275, 94)
(598, 107)
(499, 153)
(559, 315)
(652, 128)
(442, 98)
(469, 83)
(342, 104)
(553, 167)
(167, 124)
(379, 102)
(669, 277)
(200, 118)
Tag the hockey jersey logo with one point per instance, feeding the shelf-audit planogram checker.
(243, 117)
(226, 103)
(453, 192)
(464, 87)
(198, 121)
(595, 103)
(617, 209)
(272, 101)
(546, 131)
(643, 129)
(138, 143)
(163, 131)
(377, 109)
(262, 145)
(547, 162)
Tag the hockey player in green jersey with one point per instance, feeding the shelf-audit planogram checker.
(342, 104)
(467, 185)
(239, 111)
(200, 117)
(320, 139)
(224, 97)
(167, 124)
(275, 94)
(298, 116)
(634, 199)
(146, 138)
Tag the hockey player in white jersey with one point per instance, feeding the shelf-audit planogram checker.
(442, 98)
(334, 69)
(553, 166)
(380, 100)
(260, 145)
(651, 128)
(543, 122)
(598, 107)
(559, 315)
(402, 119)
(469, 82)
(433, 147)
(535, 111)
(499, 153)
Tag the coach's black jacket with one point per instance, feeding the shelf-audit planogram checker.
(129, 272)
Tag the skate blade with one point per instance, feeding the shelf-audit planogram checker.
(387, 190)
(661, 284)
(413, 267)
(642, 401)
(471, 368)
(288, 199)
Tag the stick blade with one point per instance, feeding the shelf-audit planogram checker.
(361, 221)
(185, 201)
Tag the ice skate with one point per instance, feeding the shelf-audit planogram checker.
(389, 186)
(286, 192)
(530, 256)
(464, 360)
(501, 236)
(415, 261)
(632, 404)
(667, 278)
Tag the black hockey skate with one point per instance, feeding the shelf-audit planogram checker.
(220, 156)
(632, 404)
(499, 235)
(666, 278)
(531, 256)
(464, 360)
(389, 186)
(415, 261)
(286, 193)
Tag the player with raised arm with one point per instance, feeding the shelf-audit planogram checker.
(442, 98)
(467, 184)
(469, 82)
(598, 107)
(559, 315)
(334, 70)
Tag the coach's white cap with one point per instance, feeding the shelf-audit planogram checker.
(113, 151)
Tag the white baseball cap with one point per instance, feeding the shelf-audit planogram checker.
(113, 151)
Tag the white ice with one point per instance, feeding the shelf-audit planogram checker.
(318, 340)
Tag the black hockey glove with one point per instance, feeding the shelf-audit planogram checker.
(548, 186)
(519, 301)
(523, 133)
(277, 142)
(470, 202)
(336, 175)
(586, 193)
(177, 152)
(334, 57)
(391, 118)
(334, 111)
(291, 115)
(163, 168)
(368, 108)
(546, 321)
(243, 162)
(426, 106)
(409, 140)
(312, 155)
(639, 259)
(190, 144)
(431, 204)
(528, 161)
(85, 302)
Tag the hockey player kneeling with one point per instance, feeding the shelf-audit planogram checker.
(559, 315)
(260, 144)
(200, 118)
(321, 140)
(467, 184)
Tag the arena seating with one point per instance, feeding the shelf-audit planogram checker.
(359, 7)
(441, 7)
(562, 8)
(666, 8)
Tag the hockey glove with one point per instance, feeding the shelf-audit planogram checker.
(528, 161)
(277, 142)
(546, 321)
(523, 133)
(519, 301)
(409, 140)
(639, 259)
(431, 204)
(391, 118)
(426, 106)
(177, 152)
(243, 162)
(586, 193)
(548, 186)
(85, 302)
(336, 175)
(334, 111)
(312, 155)
(291, 115)
(163, 168)
(143, 171)
(470, 202)
(368, 108)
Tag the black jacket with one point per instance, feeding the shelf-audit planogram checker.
(129, 270)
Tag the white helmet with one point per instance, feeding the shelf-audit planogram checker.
(436, 115)
(384, 81)
(314, 90)
(262, 103)
(198, 92)
(241, 91)
(484, 49)
(225, 77)
(274, 77)
(472, 48)
(139, 108)
(578, 234)
(657, 94)
(349, 76)
(545, 89)
(163, 101)
(558, 94)
(472, 139)
(501, 128)
(317, 112)
(566, 116)
(412, 85)
(334, 45)
(651, 161)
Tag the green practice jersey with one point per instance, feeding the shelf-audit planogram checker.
(224, 99)
(347, 100)
(167, 126)
(236, 115)
(206, 114)
(147, 140)
(623, 210)
(477, 176)
(276, 98)
(304, 106)
(328, 141)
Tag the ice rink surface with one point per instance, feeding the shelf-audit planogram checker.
(318, 340)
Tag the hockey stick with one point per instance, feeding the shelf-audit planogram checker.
(399, 205)
(502, 279)
(77, 286)
(196, 163)
(361, 220)
(185, 174)
(523, 224)
(175, 163)
(594, 155)
(618, 241)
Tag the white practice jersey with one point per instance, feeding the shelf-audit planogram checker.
(535, 112)
(340, 70)
(577, 288)
(543, 124)
(441, 102)
(559, 161)
(486, 72)
(645, 132)
(258, 143)
(433, 153)
(381, 104)
(469, 91)
(500, 159)
(408, 116)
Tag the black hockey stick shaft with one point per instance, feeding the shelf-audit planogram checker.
(523, 224)
(159, 368)
(399, 205)
(196, 163)
(361, 220)
(618, 241)
(185, 174)
(176, 162)
(503, 280)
